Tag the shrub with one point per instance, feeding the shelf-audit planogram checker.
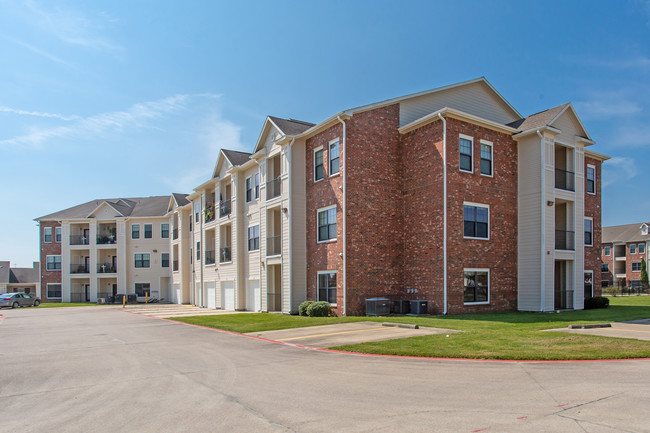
(596, 302)
(319, 309)
(302, 308)
(611, 290)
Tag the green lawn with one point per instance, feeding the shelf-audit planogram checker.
(485, 336)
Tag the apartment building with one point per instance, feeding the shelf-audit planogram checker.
(105, 247)
(624, 248)
(24, 280)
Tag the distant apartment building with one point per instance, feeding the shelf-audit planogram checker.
(624, 248)
(105, 247)
(24, 280)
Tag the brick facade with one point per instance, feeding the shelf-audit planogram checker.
(48, 249)
(593, 210)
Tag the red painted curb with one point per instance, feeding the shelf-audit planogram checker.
(376, 355)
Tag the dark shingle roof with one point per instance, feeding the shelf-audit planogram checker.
(236, 157)
(624, 233)
(23, 276)
(537, 120)
(181, 199)
(135, 207)
(291, 126)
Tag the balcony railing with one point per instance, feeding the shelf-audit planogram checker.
(175, 234)
(78, 297)
(273, 188)
(209, 213)
(565, 180)
(175, 265)
(79, 269)
(274, 245)
(224, 208)
(106, 239)
(225, 255)
(106, 269)
(79, 240)
(209, 257)
(565, 240)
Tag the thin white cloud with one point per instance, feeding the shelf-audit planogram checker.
(36, 113)
(638, 62)
(598, 109)
(619, 169)
(38, 51)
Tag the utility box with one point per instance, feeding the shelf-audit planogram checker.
(131, 299)
(401, 307)
(419, 307)
(377, 307)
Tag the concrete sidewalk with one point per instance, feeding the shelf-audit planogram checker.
(635, 329)
(172, 310)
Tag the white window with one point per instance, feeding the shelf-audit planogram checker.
(53, 263)
(632, 248)
(589, 232)
(47, 235)
(327, 286)
(636, 266)
(142, 260)
(319, 167)
(135, 231)
(476, 221)
(641, 248)
(486, 158)
(334, 157)
(591, 179)
(57, 235)
(148, 231)
(477, 286)
(256, 185)
(54, 291)
(644, 229)
(589, 284)
(327, 224)
(164, 231)
(254, 238)
(608, 250)
(249, 189)
(142, 289)
(465, 145)
(164, 260)
(604, 267)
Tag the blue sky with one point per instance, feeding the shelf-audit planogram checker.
(167, 84)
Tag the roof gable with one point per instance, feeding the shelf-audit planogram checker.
(569, 123)
(276, 127)
(107, 210)
(219, 166)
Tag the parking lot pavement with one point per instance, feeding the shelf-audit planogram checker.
(636, 329)
(345, 333)
(172, 310)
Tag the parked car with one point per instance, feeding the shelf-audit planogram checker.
(15, 300)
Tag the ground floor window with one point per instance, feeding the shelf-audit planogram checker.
(142, 289)
(327, 286)
(636, 266)
(589, 284)
(54, 290)
(477, 285)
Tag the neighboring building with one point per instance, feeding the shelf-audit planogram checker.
(105, 247)
(624, 247)
(24, 280)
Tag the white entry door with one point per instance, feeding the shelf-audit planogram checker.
(212, 295)
(228, 292)
(254, 296)
(176, 294)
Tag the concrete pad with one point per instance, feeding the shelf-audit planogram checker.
(637, 329)
(172, 310)
(346, 333)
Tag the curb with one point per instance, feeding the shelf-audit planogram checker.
(401, 325)
(592, 326)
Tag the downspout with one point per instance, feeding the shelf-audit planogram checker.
(201, 204)
(290, 222)
(444, 194)
(345, 175)
(542, 230)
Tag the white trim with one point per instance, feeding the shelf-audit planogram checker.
(248, 239)
(592, 231)
(249, 178)
(51, 235)
(606, 270)
(630, 248)
(471, 140)
(329, 156)
(318, 211)
(487, 143)
(318, 274)
(610, 250)
(60, 262)
(60, 230)
(487, 270)
(486, 206)
(169, 260)
(144, 230)
(314, 160)
(131, 229)
(457, 114)
(142, 267)
(587, 179)
(592, 282)
(143, 282)
(47, 291)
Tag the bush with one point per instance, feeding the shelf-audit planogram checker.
(319, 309)
(611, 290)
(596, 302)
(302, 308)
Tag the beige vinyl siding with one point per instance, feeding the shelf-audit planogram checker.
(476, 99)
(529, 222)
(569, 127)
(299, 225)
(549, 226)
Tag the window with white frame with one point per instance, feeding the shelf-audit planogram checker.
(47, 235)
(198, 251)
(53, 263)
(476, 219)
(641, 248)
(591, 179)
(477, 286)
(164, 231)
(588, 284)
(327, 286)
(54, 290)
(249, 189)
(142, 289)
(256, 185)
(254, 238)
(632, 248)
(197, 208)
(604, 267)
(465, 147)
(57, 235)
(486, 158)
(636, 266)
(334, 157)
(148, 231)
(141, 260)
(319, 167)
(589, 232)
(327, 224)
(644, 229)
(164, 260)
(135, 231)
(608, 250)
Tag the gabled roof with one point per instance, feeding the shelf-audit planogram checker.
(120, 208)
(24, 275)
(236, 157)
(285, 126)
(547, 118)
(140, 207)
(624, 233)
(181, 199)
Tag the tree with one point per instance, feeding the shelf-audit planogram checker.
(644, 275)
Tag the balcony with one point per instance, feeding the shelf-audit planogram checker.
(565, 180)
(209, 257)
(79, 240)
(175, 234)
(273, 188)
(106, 239)
(79, 269)
(175, 265)
(225, 208)
(225, 255)
(274, 245)
(565, 240)
(106, 268)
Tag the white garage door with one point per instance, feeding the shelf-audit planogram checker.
(176, 294)
(211, 294)
(254, 296)
(228, 292)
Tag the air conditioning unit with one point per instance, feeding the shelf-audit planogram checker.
(401, 307)
(101, 300)
(419, 307)
(377, 307)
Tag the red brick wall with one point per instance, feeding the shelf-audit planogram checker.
(593, 210)
(629, 259)
(48, 249)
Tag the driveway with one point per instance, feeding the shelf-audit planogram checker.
(104, 370)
